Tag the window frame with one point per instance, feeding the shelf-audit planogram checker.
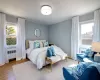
(5, 36)
(84, 22)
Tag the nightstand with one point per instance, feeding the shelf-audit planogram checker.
(97, 58)
(51, 44)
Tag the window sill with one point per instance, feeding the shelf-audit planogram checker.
(85, 46)
(11, 46)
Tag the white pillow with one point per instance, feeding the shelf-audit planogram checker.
(31, 44)
(45, 44)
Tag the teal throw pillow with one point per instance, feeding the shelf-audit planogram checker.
(36, 45)
(88, 53)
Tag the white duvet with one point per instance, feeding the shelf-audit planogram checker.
(37, 56)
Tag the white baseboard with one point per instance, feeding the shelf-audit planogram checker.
(17, 59)
(1, 64)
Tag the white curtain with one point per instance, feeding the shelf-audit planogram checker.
(96, 30)
(3, 55)
(21, 54)
(75, 37)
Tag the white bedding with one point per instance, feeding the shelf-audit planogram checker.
(37, 56)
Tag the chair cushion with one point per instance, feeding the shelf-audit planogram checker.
(83, 71)
(91, 73)
(67, 75)
(81, 56)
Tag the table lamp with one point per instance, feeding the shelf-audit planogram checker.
(96, 48)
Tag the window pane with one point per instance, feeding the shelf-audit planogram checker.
(11, 41)
(87, 33)
(11, 35)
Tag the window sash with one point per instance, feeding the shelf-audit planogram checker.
(12, 36)
(81, 38)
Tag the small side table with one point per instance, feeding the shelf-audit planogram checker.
(51, 44)
(97, 58)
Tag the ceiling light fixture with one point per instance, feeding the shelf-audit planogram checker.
(46, 10)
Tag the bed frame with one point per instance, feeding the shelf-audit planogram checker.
(51, 62)
(26, 44)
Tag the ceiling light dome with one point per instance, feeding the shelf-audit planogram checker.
(46, 10)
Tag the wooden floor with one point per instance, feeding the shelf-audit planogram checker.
(6, 71)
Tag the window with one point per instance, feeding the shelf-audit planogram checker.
(11, 34)
(87, 33)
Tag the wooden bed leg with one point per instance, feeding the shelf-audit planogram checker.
(51, 67)
(66, 58)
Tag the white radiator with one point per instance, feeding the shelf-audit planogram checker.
(11, 53)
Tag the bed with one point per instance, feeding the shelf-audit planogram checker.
(38, 55)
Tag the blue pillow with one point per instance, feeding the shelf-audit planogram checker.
(82, 67)
(53, 52)
(36, 45)
(88, 53)
(49, 52)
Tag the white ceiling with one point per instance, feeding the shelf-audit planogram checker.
(62, 9)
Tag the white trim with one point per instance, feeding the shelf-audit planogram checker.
(10, 46)
(88, 21)
(17, 59)
(84, 22)
(5, 44)
(9, 23)
(2, 64)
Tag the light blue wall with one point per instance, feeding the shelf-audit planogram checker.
(30, 29)
(60, 35)
(86, 17)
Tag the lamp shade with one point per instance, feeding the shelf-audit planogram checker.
(96, 46)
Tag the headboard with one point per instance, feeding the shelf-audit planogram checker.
(27, 44)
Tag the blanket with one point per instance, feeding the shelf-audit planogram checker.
(37, 56)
